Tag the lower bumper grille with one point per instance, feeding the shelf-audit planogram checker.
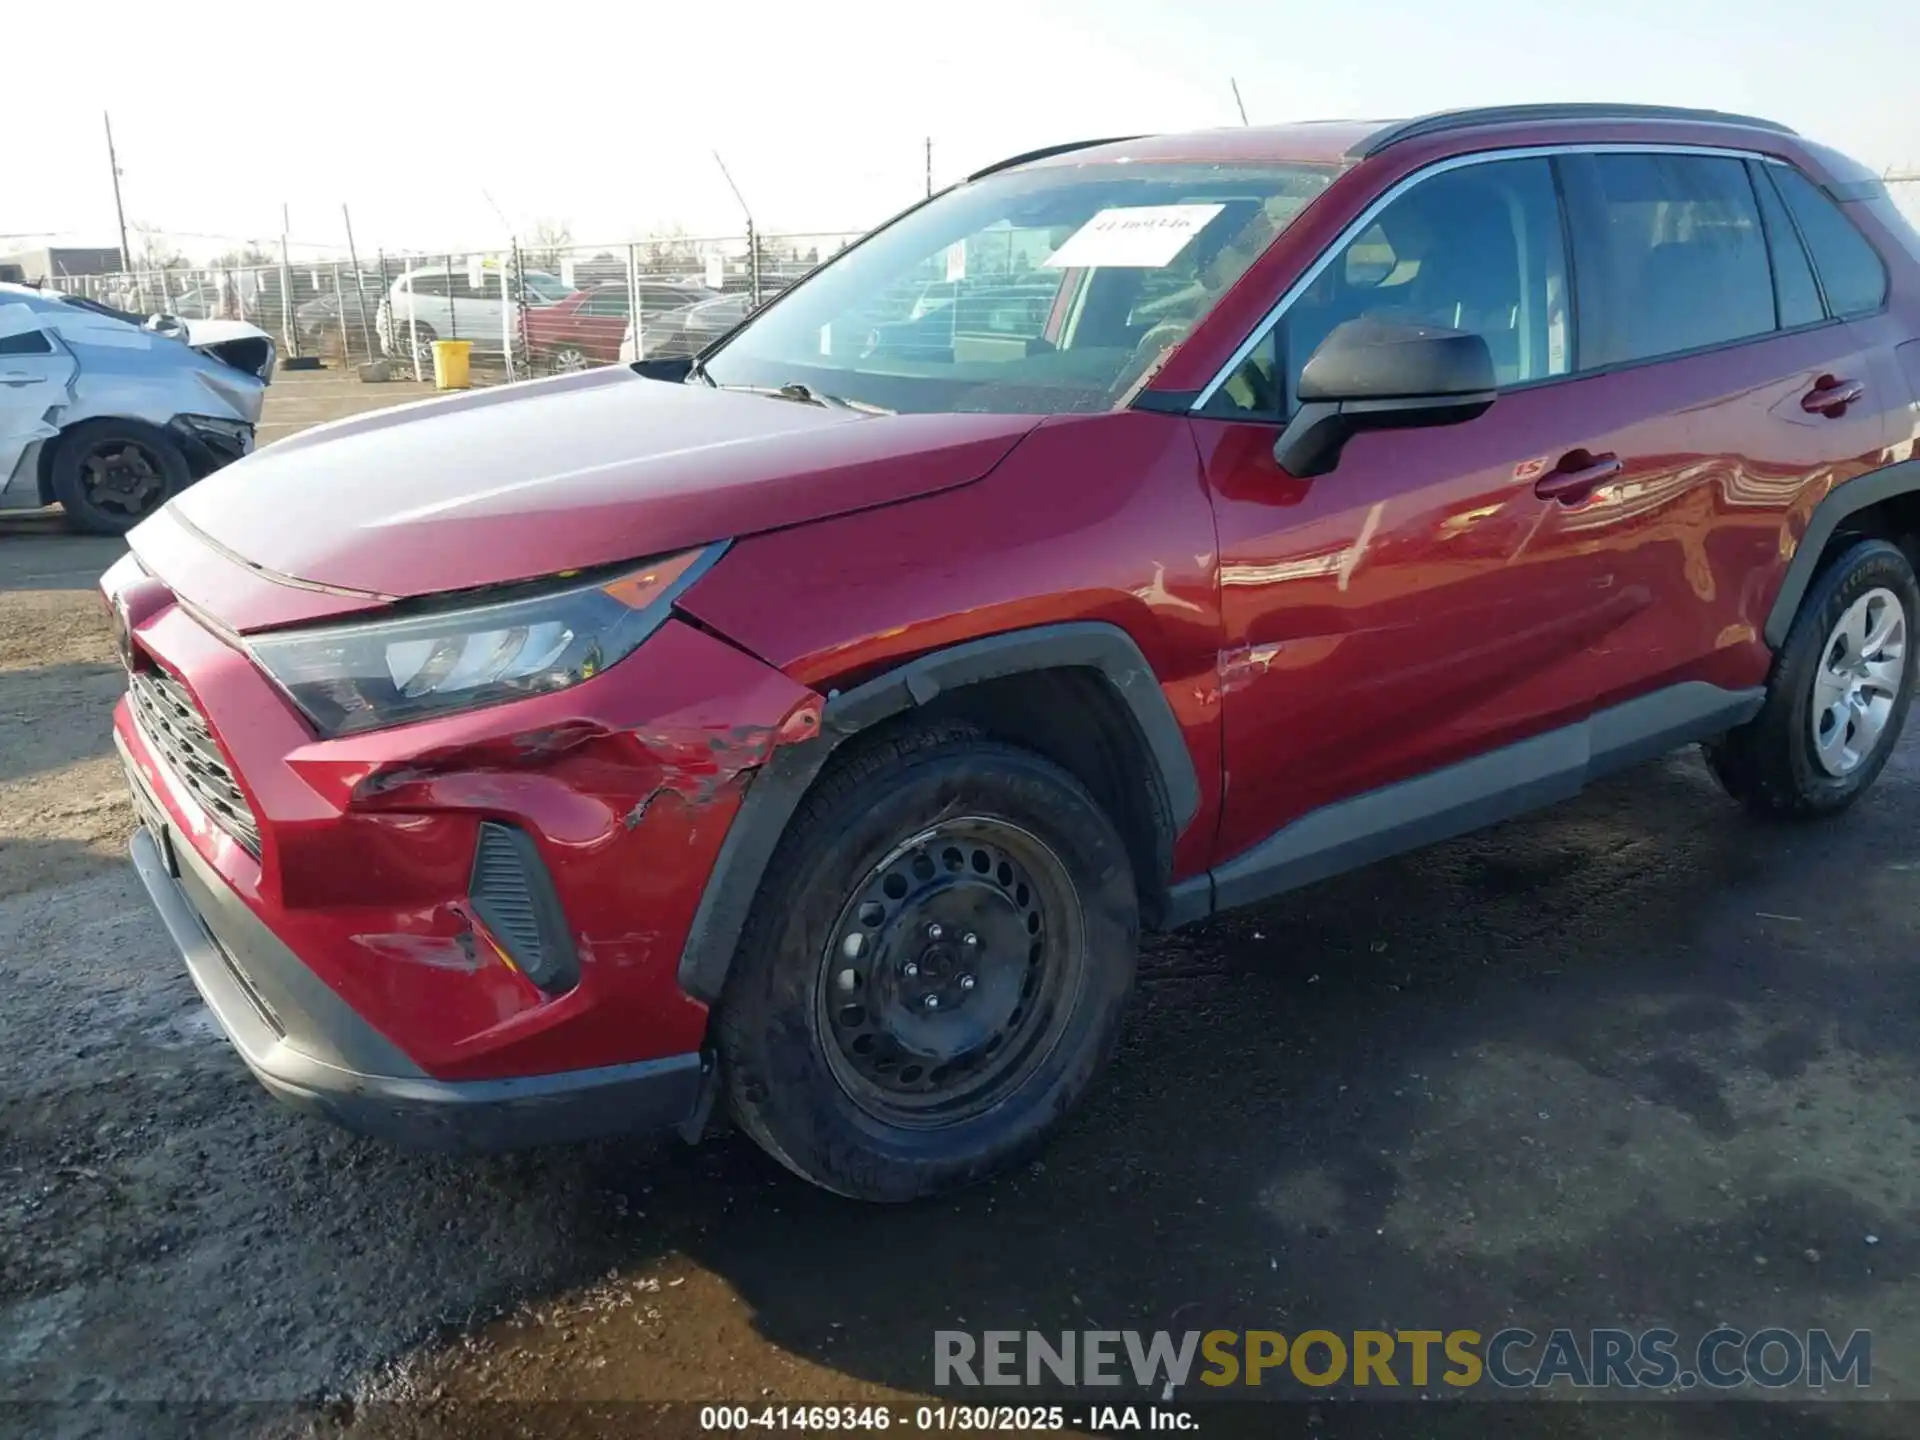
(180, 737)
(513, 896)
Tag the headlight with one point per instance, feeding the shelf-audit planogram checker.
(349, 678)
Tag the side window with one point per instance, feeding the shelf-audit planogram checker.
(1793, 284)
(1849, 268)
(1669, 254)
(1479, 248)
(26, 342)
(611, 301)
(428, 286)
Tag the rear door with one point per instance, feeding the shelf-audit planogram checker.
(1723, 390)
(36, 373)
(603, 319)
(478, 314)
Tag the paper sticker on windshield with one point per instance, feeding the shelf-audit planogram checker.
(1146, 236)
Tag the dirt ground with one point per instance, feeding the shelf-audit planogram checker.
(1635, 1061)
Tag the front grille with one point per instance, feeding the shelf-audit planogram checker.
(178, 733)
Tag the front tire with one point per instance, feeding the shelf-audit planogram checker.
(1838, 695)
(109, 475)
(934, 969)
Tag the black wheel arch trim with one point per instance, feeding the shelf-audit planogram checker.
(777, 789)
(1840, 503)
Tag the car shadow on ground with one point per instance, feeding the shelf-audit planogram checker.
(41, 553)
(1637, 1061)
(57, 716)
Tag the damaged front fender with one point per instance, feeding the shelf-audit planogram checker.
(627, 784)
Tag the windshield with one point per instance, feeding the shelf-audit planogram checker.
(1030, 291)
(80, 302)
(544, 287)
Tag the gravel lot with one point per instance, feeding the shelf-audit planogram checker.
(1635, 1061)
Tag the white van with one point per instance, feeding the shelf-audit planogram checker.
(437, 302)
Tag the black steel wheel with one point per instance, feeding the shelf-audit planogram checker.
(934, 969)
(943, 983)
(109, 475)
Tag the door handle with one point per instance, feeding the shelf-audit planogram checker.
(20, 377)
(1830, 397)
(1577, 476)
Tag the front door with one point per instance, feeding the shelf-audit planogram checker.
(1426, 600)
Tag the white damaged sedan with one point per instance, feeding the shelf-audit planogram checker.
(109, 415)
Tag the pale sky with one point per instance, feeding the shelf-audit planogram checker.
(604, 116)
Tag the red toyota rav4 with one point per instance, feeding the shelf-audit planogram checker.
(816, 725)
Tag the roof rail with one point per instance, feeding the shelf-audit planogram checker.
(1445, 120)
(1049, 150)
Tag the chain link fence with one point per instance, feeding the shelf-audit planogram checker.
(526, 311)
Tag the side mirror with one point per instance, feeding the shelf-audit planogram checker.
(166, 324)
(1373, 375)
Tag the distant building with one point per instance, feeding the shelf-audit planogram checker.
(52, 260)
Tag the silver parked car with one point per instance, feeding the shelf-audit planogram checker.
(110, 414)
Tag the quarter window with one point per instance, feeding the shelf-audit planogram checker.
(1850, 270)
(1795, 291)
(26, 342)
(1669, 254)
(1479, 248)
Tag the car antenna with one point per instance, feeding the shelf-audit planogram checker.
(1240, 104)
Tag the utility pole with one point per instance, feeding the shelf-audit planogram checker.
(289, 332)
(360, 286)
(119, 210)
(929, 165)
(753, 238)
(1239, 104)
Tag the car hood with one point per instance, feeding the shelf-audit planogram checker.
(528, 480)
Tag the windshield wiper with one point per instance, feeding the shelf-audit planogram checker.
(806, 395)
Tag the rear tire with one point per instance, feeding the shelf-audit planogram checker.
(934, 969)
(411, 343)
(1838, 695)
(109, 475)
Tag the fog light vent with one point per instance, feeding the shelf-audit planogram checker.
(513, 895)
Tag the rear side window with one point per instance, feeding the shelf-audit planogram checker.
(1669, 255)
(26, 342)
(607, 302)
(1849, 268)
(1793, 283)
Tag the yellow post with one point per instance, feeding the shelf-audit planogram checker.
(450, 364)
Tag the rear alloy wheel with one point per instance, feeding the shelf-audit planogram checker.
(109, 475)
(1838, 695)
(1863, 667)
(567, 359)
(934, 969)
(415, 343)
